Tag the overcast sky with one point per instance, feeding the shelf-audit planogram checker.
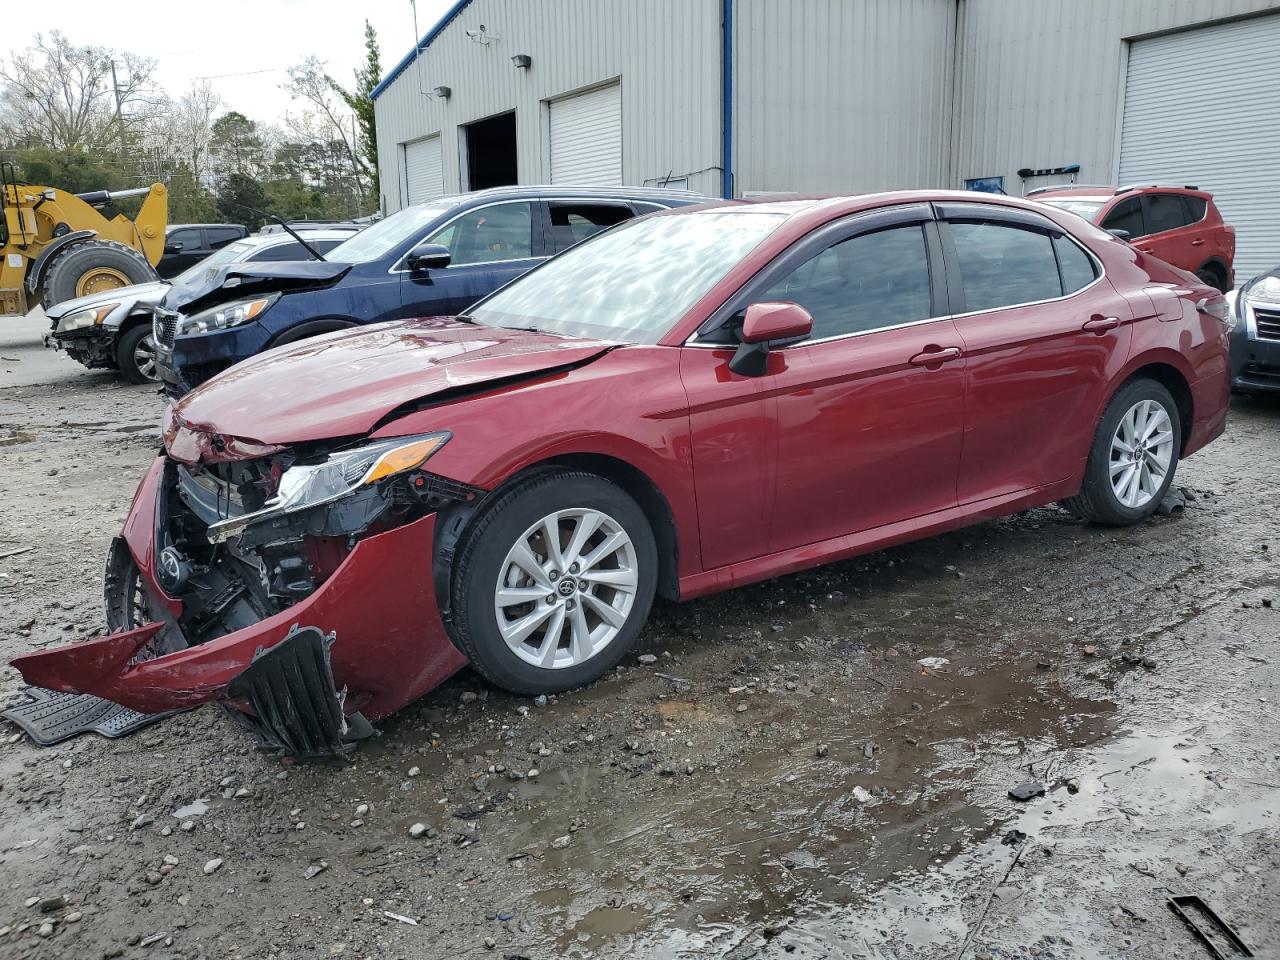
(243, 47)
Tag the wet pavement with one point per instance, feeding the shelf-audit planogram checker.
(786, 780)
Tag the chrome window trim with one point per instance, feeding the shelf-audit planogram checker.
(529, 200)
(1097, 263)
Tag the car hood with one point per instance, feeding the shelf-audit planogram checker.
(237, 280)
(148, 294)
(344, 384)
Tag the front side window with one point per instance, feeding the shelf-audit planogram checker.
(1002, 265)
(490, 234)
(184, 240)
(632, 283)
(219, 237)
(1164, 211)
(572, 222)
(1127, 216)
(867, 282)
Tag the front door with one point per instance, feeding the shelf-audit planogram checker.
(489, 246)
(1043, 333)
(861, 423)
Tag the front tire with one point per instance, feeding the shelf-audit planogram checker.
(553, 583)
(1133, 457)
(94, 266)
(136, 355)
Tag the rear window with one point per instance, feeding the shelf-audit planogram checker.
(1076, 266)
(1002, 265)
(1196, 207)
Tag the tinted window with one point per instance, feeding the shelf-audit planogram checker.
(1164, 211)
(1126, 215)
(1195, 208)
(221, 236)
(490, 234)
(571, 222)
(864, 283)
(185, 239)
(1001, 265)
(1075, 265)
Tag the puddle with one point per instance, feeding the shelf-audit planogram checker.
(196, 808)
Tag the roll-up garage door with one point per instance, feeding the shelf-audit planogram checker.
(423, 170)
(1200, 108)
(586, 138)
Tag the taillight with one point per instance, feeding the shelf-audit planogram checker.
(1218, 308)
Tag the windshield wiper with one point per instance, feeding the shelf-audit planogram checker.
(315, 254)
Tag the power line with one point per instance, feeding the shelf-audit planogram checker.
(244, 73)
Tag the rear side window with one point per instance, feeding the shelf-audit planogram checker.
(1074, 264)
(1195, 208)
(572, 222)
(867, 282)
(1126, 215)
(1002, 265)
(221, 236)
(1164, 211)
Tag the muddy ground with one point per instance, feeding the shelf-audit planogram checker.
(785, 781)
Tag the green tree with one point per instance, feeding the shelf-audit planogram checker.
(189, 202)
(236, 144)
(241, 199)
(359, 101)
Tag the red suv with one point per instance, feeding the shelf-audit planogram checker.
(688, 402)
(1180, 225)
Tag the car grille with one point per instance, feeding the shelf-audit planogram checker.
(1267, 323)
(164, 327)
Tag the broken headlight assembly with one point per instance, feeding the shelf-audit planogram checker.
(227, 315)
(339, 475)
(89, 317)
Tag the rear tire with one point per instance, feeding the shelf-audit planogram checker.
(577, 622)
(1116, 491)
(136, 355)
(94, 266)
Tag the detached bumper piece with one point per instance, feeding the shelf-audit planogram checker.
(295, 705)
(49, 716)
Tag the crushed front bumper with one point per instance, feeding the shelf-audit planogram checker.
(389, 645)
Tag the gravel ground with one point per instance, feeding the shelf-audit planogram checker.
(784, 779)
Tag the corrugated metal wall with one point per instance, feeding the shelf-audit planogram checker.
(1039, 82)
(842, 95)
(665, 51)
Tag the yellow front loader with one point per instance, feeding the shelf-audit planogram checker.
(56, 245)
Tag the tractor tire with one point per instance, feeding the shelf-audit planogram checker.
(94, 266)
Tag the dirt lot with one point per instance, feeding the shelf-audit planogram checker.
(785, 781)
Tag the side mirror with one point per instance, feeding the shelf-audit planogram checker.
(170, 248)
(762, 324)
(428, 256)
(1120, 234)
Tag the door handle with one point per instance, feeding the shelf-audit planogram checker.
(1100, 325)
(929, 357)
(1197, 242)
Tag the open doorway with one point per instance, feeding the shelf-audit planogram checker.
(491, 152)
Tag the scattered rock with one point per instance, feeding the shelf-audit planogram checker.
(469, 696)
(50, 904)
(1014, 838)
(933, 663)
(822, 750)
(142, 821)
(1027, 791)
(315, 870)
(540, 700)
(559, 843)
(1073, 785)
(647, 658)
(421, 830)
(362, 810)
(213, 866)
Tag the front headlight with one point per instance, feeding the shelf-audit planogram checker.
(89, 317)
(227, 315)
(339, 475)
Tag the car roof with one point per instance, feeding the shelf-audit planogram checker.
(1107, 192)
(274, 239)
(552, 191)
(183, 226)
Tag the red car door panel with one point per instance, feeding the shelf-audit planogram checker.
(1036, 368)
(867, 434)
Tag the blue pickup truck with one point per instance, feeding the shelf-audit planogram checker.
(433, 259)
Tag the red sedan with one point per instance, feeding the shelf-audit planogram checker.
(688, 402)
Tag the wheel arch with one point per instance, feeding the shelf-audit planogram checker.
(1174, 379)
(38, 270)
(310, 328)
(1218, 266)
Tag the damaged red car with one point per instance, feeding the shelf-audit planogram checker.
(688, 402)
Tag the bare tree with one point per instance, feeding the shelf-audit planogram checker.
(327, 120)
(67, 97)
(191, 123)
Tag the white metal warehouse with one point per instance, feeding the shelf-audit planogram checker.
(735, 97)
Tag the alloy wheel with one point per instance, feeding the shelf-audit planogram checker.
(1141, 453)
(566, 588)
(144, 357)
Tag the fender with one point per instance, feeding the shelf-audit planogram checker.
(1162, 355)
(35, 276)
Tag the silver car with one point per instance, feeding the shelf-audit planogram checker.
(112, 329)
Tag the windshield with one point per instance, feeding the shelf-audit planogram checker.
(631, 283)
(231, 253)
(1080, 207)
(379, 239)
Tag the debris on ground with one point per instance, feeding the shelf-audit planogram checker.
(1027, 791)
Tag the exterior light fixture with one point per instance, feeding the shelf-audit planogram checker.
(522, 61)
(443, 92)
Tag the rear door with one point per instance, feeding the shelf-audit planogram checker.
(572, 221)
(191, 250)
(1044, 333)
(488, 245)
